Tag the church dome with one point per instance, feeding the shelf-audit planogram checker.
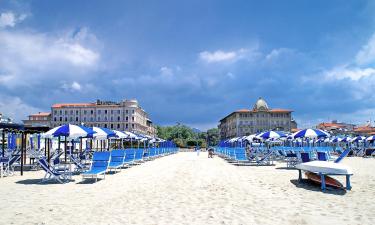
(261, 105)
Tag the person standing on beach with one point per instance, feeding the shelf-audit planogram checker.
(198, 150)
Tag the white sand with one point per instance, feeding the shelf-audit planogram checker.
(186, 189)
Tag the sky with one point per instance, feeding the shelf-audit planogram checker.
(191, 62)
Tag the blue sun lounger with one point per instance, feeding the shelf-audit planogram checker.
(117, 159)
(138, 157)
(129, 157)
(51, 173)
(99, 165)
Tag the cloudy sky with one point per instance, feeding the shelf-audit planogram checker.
(191, 61)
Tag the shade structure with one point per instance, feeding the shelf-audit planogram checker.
(310, 133)
(371, 138)
(69, 130)
(336, 139)
(358, 138)
(131, 135)
(271, 134)
(233, 140)
(346, 139)
(120, 134)
(103, 133)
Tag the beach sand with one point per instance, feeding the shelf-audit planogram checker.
(186, 189)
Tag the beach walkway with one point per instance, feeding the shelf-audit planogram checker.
(186, 189)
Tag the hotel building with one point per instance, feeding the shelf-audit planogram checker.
(260, 118)
(125, 115)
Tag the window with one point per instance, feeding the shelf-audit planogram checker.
(66, 119)
(105, 125)
(126, 125)
(92, 119)
(133, 118)
(55, 119)
(118, 126)
(77, 119)
(99, 118)
(111, 111)
(118, 111)
(111, 126)
(111, 118)
(105, 111)
(66, 112)
(77, 112)
(118, 118)
(126, 119)
(60, 119)
(99, 111)
(84, 112)
(133, 111)
(126, 111)
(133, 125)
(84, 119)
(71, 112)
(71, 119)
(92, 112)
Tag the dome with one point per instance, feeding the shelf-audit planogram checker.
(261, 105)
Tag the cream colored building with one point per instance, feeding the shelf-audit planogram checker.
(249, 121)
(125, 115)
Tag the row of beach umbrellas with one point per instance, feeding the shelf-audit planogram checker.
(313, 134)
(99, 133)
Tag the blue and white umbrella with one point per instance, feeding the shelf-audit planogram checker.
(358, 138)
(120, 134)
(271, 134)
(69, 130)
(131, 135)
(336, 139)
(103, 133)
(371, 138)
(346, 139)
(310, 133)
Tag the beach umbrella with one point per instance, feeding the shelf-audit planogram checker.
(358, 138)
(310, 133)
(271, 134)
(69, 130)
(103, 133)
(131, 135)
(346, 139)
(371, 138)
(336, 139)
(120, 134)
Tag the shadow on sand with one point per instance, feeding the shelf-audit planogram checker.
(39, 182)
(312, 186)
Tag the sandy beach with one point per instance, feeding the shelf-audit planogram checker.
(186, 189)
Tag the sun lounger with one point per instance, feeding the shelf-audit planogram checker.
(51, 173)
(99, 165)
(324, 168)
(138, 157)
(305, 157)
(129, 157)
(322, 156)
(342, 156)
(117, 159)
(11, 163)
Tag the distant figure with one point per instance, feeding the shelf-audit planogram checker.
(198, 150)
(210, 152)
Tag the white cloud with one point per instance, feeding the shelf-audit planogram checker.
(166, 71)
(276, 53)
(76, 86)
(15, 108)
(367, 53)
(29, 57)
(345, 72)
(9, 19)
(222, 56)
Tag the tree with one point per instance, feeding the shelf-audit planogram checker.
(213, 137)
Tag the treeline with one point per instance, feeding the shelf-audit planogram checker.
(185, 136)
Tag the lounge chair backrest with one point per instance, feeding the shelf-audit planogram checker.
(46, 167)
(129, 154)
(139, 154)
(343, 155)
(241, 154)
(322, 156)
(14, 159)
(100, 159)
(305, 157)
(117, 155)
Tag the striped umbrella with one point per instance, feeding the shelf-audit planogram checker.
(346, 139)
(103, 133)
(69, 130)
(271, 134)
(371, 138)
(310, 133)
(120, 134)
(358, 138)
(336, 139)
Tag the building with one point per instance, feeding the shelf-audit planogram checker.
(125, 115)
(336, 127)
(260, 118)
(365, 130)
(39, 121)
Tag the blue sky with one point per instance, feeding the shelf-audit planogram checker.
(193, 61)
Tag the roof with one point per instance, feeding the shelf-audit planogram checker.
(41, 114)
(280, 110)
(60, 105)
(331, 125)
(254, 111)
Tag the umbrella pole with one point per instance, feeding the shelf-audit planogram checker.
(58, 146)
(3, 142)
(45, 147)
(66, 146)
(23, 142)
(48, 150)
(80, 145)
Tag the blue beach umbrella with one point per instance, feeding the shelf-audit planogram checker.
(271, 134)
(346, 139)
(310, 133)
(371, 138)
(69, 130)
(103, 133)
(358, 138)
